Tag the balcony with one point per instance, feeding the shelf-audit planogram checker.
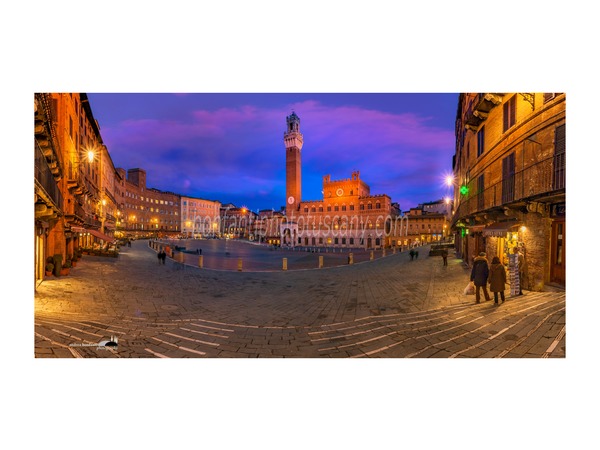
(44, 134)
(75, 183)
(543, 181)
(110, 196)
(91, 221)
(76, 216)
(50, 199)
(479, 109)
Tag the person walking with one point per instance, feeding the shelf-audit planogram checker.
(479, 277)
(497, 279)
(162, 256)
(412, 254)
(445, 256)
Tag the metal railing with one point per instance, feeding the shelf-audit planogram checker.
(544, 177)
(45, 179)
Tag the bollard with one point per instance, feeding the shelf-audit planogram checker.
(284, 263)
(179, 256)
(350, 258)
(394, 251)
(320, 262)
(383, 253)
(372, 255)
(201, 261)
(239, 264)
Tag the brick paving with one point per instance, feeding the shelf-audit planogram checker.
(390, 307)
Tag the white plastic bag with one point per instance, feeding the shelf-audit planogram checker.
(470, 289)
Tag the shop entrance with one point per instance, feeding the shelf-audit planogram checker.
(558, 252)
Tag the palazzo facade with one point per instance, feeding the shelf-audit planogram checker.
(510, 173)
(348, 215)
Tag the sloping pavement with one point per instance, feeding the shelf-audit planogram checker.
(391, 307)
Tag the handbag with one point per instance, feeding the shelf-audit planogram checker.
(470, 289)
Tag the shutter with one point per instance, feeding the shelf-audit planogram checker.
(560, 160)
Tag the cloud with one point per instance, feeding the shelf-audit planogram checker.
(239, 150)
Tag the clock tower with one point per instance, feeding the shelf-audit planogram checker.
(293, 171)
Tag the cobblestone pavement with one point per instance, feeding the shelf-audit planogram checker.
(391, 307)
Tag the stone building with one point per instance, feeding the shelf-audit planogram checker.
(267, 227)
(146, 212)
(200, 217)
(348, 215)
(424, 226)
(509, 169)
(443, 206)
(237, 222)
(74, 182)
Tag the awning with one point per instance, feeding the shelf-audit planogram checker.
(499, 229)
(96, 233)
(476, 228)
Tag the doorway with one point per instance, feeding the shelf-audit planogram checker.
(558, 252)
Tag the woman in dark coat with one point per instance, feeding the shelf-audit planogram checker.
(479, 276)
(497, 279)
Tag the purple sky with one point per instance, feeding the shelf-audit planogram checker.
(229, 147)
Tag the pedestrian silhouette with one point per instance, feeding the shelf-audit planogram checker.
(497, 279)
(479, 276)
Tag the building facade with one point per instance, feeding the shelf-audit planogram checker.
(510, 191)
(237, 222)
(200, 218)
(348, 215)
(75, 182)
(267, 228)
(425, 226)
(146, 212)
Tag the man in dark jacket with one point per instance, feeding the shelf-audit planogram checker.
(479, 276)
